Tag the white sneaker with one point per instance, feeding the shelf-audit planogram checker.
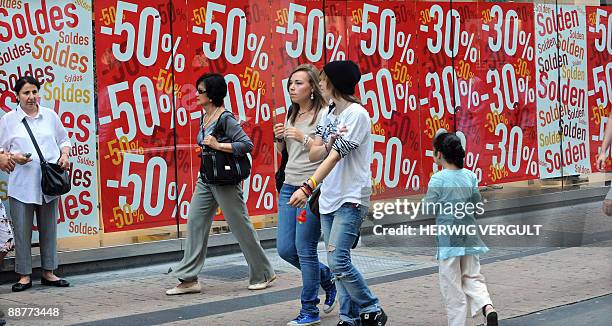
(196, 288)
(262, 285)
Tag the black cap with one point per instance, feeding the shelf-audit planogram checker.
(344, 75)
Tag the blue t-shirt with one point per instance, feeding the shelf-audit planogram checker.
(454, 191)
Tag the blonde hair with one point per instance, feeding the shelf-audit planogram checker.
(313, 80)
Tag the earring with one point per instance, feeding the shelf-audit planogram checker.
(311, 96)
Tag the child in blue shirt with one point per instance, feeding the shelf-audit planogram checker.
(453, 196)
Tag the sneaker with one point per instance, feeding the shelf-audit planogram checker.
(195, 288)
(330, 300)
(262, 285)
(303, 320)
(490, 315)
(344, 323)
(378, 318)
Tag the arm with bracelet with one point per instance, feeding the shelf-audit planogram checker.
(349, 138)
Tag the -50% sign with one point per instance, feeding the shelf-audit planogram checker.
(384, 86)
(140, 40)
(393, 161)
(379, 39)
(126, 216)
(259, 185)
(224, 37)
(182, 205)
(305, 38)
(136, 117)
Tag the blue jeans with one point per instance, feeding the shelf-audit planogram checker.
(340, 230)
(297, 244)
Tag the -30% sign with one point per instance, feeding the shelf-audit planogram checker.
(465, 88)
(446, 38)
(506, 29)
(471, 162)
(512, 151)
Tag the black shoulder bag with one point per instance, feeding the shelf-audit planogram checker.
(221, 168)
(55, 180)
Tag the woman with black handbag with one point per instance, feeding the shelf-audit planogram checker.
(25, 191)
(224, 147)
(297, 242)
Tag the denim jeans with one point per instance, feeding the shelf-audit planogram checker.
(340, 230)
(297, 244)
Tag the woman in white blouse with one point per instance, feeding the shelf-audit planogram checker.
(24, 189)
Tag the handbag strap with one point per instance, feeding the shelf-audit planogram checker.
(285, 153)
(25, 123)
(218, 127)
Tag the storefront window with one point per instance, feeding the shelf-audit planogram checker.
(525, 84)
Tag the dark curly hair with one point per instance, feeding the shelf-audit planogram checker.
(450, 146)
(216, 87)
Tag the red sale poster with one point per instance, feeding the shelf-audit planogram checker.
(437, 85)
(506, 91)
(299, 37)
(146, 174)
(383, 43)
(599, 75)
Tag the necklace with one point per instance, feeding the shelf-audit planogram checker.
(210, 118)
(302, 113)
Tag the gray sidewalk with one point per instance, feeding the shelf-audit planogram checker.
(563, 278)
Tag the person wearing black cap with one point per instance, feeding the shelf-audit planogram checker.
(343, 139)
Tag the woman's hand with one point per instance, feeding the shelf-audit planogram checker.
(340, 132)
(21, 159)
(294, 133)
(279, 130)
(211, 142)
(6, 162)
(64, 162)
(601, 161)
(298, 199)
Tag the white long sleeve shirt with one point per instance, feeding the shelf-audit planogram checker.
(51, 136)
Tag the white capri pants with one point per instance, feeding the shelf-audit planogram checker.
(462, 285)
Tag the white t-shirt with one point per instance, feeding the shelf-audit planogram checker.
(351, 179)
